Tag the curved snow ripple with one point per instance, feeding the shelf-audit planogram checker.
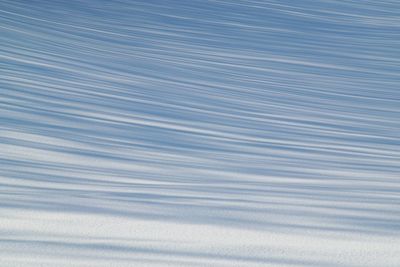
(248, 125)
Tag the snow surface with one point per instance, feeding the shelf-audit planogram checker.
(199, 133)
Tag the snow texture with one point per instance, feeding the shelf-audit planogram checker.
(199, 133)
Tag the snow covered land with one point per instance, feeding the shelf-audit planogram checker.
(199, 133)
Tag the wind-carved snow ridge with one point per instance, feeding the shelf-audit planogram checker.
(199, 133)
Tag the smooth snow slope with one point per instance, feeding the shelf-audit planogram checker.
(199, 133)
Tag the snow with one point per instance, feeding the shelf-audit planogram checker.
(220, 133)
